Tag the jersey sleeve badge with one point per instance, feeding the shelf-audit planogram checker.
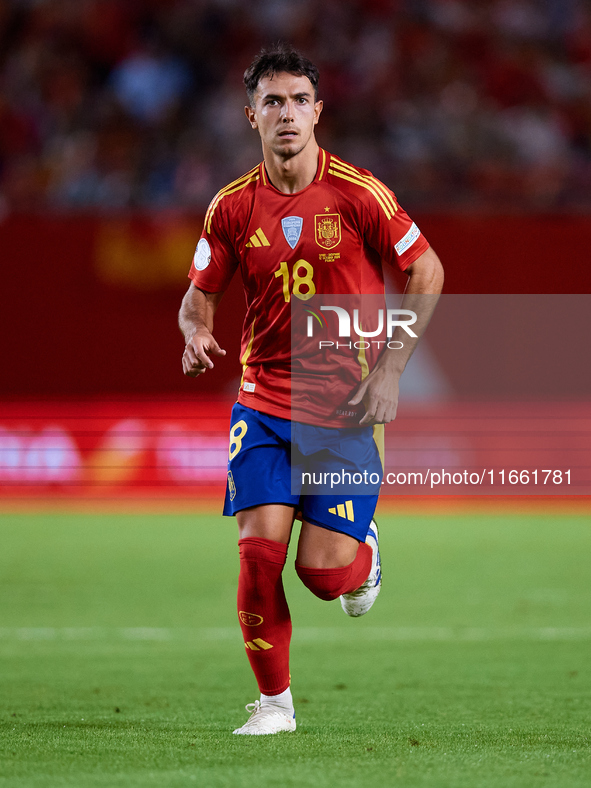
(328, 230)
(408, 240)
(202, 257)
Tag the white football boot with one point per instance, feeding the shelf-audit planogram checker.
(358, 602)
(266, 719)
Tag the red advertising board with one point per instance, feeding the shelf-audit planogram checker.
(173, 447)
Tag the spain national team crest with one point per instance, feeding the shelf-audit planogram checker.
(328, 230)
(250, 619)
(292, 229)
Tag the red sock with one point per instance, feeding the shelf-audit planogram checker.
(263, 612)
(331, 583)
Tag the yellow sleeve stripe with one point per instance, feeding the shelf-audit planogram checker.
(362, 361)
(225, 194)
(323, 165)
(235, 186)
(247, 353)
(246, 175)
(225, 189)
(367, 186)
(389, 197)
(384, 191)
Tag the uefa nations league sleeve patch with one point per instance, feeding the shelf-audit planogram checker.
(202, 257)
(408, 240)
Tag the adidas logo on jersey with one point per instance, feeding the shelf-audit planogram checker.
(258, 239)
(344, 510)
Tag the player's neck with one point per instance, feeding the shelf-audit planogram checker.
(295, 173)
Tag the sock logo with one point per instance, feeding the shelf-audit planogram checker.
(258, 644)
(344, 510)
(250, 619)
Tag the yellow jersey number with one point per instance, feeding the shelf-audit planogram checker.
(237, 432)
(298, 280)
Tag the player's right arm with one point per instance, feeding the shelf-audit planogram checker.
(196, 324)
(213, 266)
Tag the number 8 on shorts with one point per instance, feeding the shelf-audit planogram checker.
(237, 432)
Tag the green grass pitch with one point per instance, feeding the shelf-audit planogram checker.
(122, 663)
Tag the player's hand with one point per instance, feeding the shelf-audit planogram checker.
(379, 393)
(196, 360)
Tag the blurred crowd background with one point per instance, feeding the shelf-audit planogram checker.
(111, 104)
(119, 121)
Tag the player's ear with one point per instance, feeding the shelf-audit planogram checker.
(317, 110)
(251, 115)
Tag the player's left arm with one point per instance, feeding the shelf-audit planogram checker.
(379, 390)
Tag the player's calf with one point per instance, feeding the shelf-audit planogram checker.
(263, 612)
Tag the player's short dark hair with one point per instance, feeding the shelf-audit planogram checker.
(279, 58)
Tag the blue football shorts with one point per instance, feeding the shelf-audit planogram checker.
(331, 476)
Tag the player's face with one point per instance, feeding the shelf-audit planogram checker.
(285, 113)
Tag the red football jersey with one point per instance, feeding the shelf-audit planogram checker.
(329, 238)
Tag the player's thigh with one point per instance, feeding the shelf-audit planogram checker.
(269, 521)
(320, 548)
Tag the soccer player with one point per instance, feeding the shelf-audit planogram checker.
(300, 223)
